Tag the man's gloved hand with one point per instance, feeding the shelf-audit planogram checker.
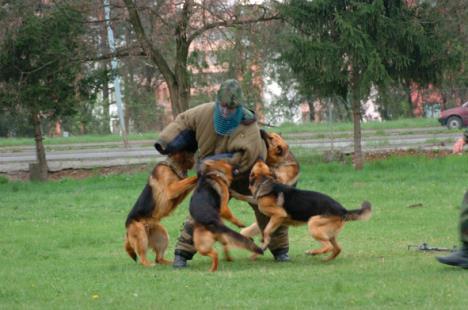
(184, 141)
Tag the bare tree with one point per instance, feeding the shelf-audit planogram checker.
(166, 29)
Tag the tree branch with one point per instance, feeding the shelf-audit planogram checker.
(230, 23)
(152, 52)
(118, 54)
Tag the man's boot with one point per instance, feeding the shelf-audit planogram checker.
(180, 258)
(281, 255)
(179, 262)
(459, 258)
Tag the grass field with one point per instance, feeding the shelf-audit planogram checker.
(61, 246)
(285, 128)
(341, 126)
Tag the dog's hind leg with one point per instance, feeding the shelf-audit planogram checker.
(327, 247)
(129, 249)
(214, 260)
(325, 229)
(335, 251)
(204, 241)
(138, 240)
(316, 225)
(224, 242)
(159, 241)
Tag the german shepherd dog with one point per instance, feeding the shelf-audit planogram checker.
(167, 187)
(286, 205)
(283, 165)
(209, 203)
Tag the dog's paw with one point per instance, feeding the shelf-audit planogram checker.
(238, 223)
(164, 262)
(311, 252)
(148, 264)
(253, 256)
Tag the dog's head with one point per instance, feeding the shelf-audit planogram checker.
(277, 147)
(217, 169)
(260, 171)
(184, 159)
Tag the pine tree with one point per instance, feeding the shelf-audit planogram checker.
(39, 69)
(344, 47)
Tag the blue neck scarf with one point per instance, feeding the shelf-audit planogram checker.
(226, 125)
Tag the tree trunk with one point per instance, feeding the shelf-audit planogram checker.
(40, 150)
(180, 89)
(358, 159)
(180, 93)
(411, 106)
(105, 105)
(105, 66)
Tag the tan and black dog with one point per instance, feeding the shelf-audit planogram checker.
(287, 205)
(209, 203)
(283, 165)
(167, 187)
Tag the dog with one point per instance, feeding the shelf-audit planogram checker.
(283, 165)
(287, 205)
(167, 187)
(209, 203)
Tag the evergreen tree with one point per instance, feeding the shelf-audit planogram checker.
(344, 47)
(39, 71)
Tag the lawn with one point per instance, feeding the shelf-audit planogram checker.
(62, 246)
(287, 128)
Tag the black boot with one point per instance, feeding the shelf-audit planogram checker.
(179, 262)
(281, 255)
(459, 258)
(181, 258)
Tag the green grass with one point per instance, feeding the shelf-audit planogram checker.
(61, 246)
(378, 126)
(78, 139)
(321, 129)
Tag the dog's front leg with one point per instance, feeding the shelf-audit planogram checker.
(239, 196)
(183, 186)
(273, 224)
(225, 212)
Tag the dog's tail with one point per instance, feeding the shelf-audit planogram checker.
(128, 248)
(234, 238)
(362, 214)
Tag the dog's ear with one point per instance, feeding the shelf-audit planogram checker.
(279, 150)
(264, 135)
(202, 166)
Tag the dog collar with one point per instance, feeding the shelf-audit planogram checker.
(218, 175)
(182, 174)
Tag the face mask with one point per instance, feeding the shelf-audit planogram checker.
(226, 120)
